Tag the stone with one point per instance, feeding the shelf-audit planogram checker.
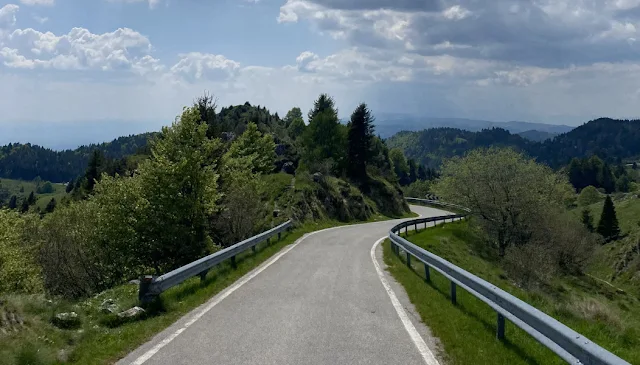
(66, 320)
(132, 313)
(109, 306)
(317, 177)
(134, 282)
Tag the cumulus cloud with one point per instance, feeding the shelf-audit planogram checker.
(78, 49)
(38, 2)
(8, 16)
(203, 66)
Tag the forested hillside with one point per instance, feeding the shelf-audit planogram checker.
(26, 161)
(610, 139)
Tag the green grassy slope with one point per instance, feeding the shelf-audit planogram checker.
(467, 330)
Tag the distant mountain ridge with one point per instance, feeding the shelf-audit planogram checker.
(389, 124)
(610, 139)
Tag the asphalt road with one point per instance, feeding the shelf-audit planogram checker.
(321, 301)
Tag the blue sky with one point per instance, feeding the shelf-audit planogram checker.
(110, 67)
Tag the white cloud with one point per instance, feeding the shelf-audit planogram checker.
(152, 3)
(41, 19)
(38, 2)
(78, 49)
(196, 66)
(8, 15)
(456, 12)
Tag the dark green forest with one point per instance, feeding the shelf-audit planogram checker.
(610, 139)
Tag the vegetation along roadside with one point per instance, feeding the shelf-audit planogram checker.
(543, 254)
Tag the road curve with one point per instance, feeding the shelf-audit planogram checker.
(320, 302)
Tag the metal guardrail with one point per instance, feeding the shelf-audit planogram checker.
(438, 203)
(565, 342)
(151, 286)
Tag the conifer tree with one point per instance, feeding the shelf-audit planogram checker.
(608, 225)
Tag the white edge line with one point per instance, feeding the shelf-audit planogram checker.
(221, 296)
(424, 350)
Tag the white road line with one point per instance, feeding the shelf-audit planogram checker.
(147, 355)
(424, 350)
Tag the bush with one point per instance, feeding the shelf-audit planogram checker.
(19, 271)
(72, 259)
(417, 189)
(588, 196)
(557, 245)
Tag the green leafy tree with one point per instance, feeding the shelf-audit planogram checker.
(51, 206)
(254, 148)
(507, 193)
(400, 165)
(587, 220)
(46, 188)
(623, 184)
(608, 225)
(22, 188)
(242, 208)
(588, 196)
(634, 166)
(293, 115)
(179, 184)
(19, 270)
(359, 138)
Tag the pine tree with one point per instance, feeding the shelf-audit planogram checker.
(608, 225)
(422, 173)
(69, 187)
(31, 200)
(607, 181)
(51, 206)
(13, 202)
(359, 139)
(587, 219)
(323, 104)
(93, 170)
(413, 173)
(25, 206)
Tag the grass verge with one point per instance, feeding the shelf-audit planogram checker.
(99, 339)
(467, 330)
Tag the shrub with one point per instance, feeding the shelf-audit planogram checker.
(71, 257)
(588, 196)
(19, 271)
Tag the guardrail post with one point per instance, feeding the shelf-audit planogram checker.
(500, 327)
(425, 225)
(415, 227)
(253, 248)
(406, 230)
(203, 275)
(268, 241)
(233, 262)
(408, 259)
(453, 293)
(143, 291)
(279, 236)
(427, 273)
